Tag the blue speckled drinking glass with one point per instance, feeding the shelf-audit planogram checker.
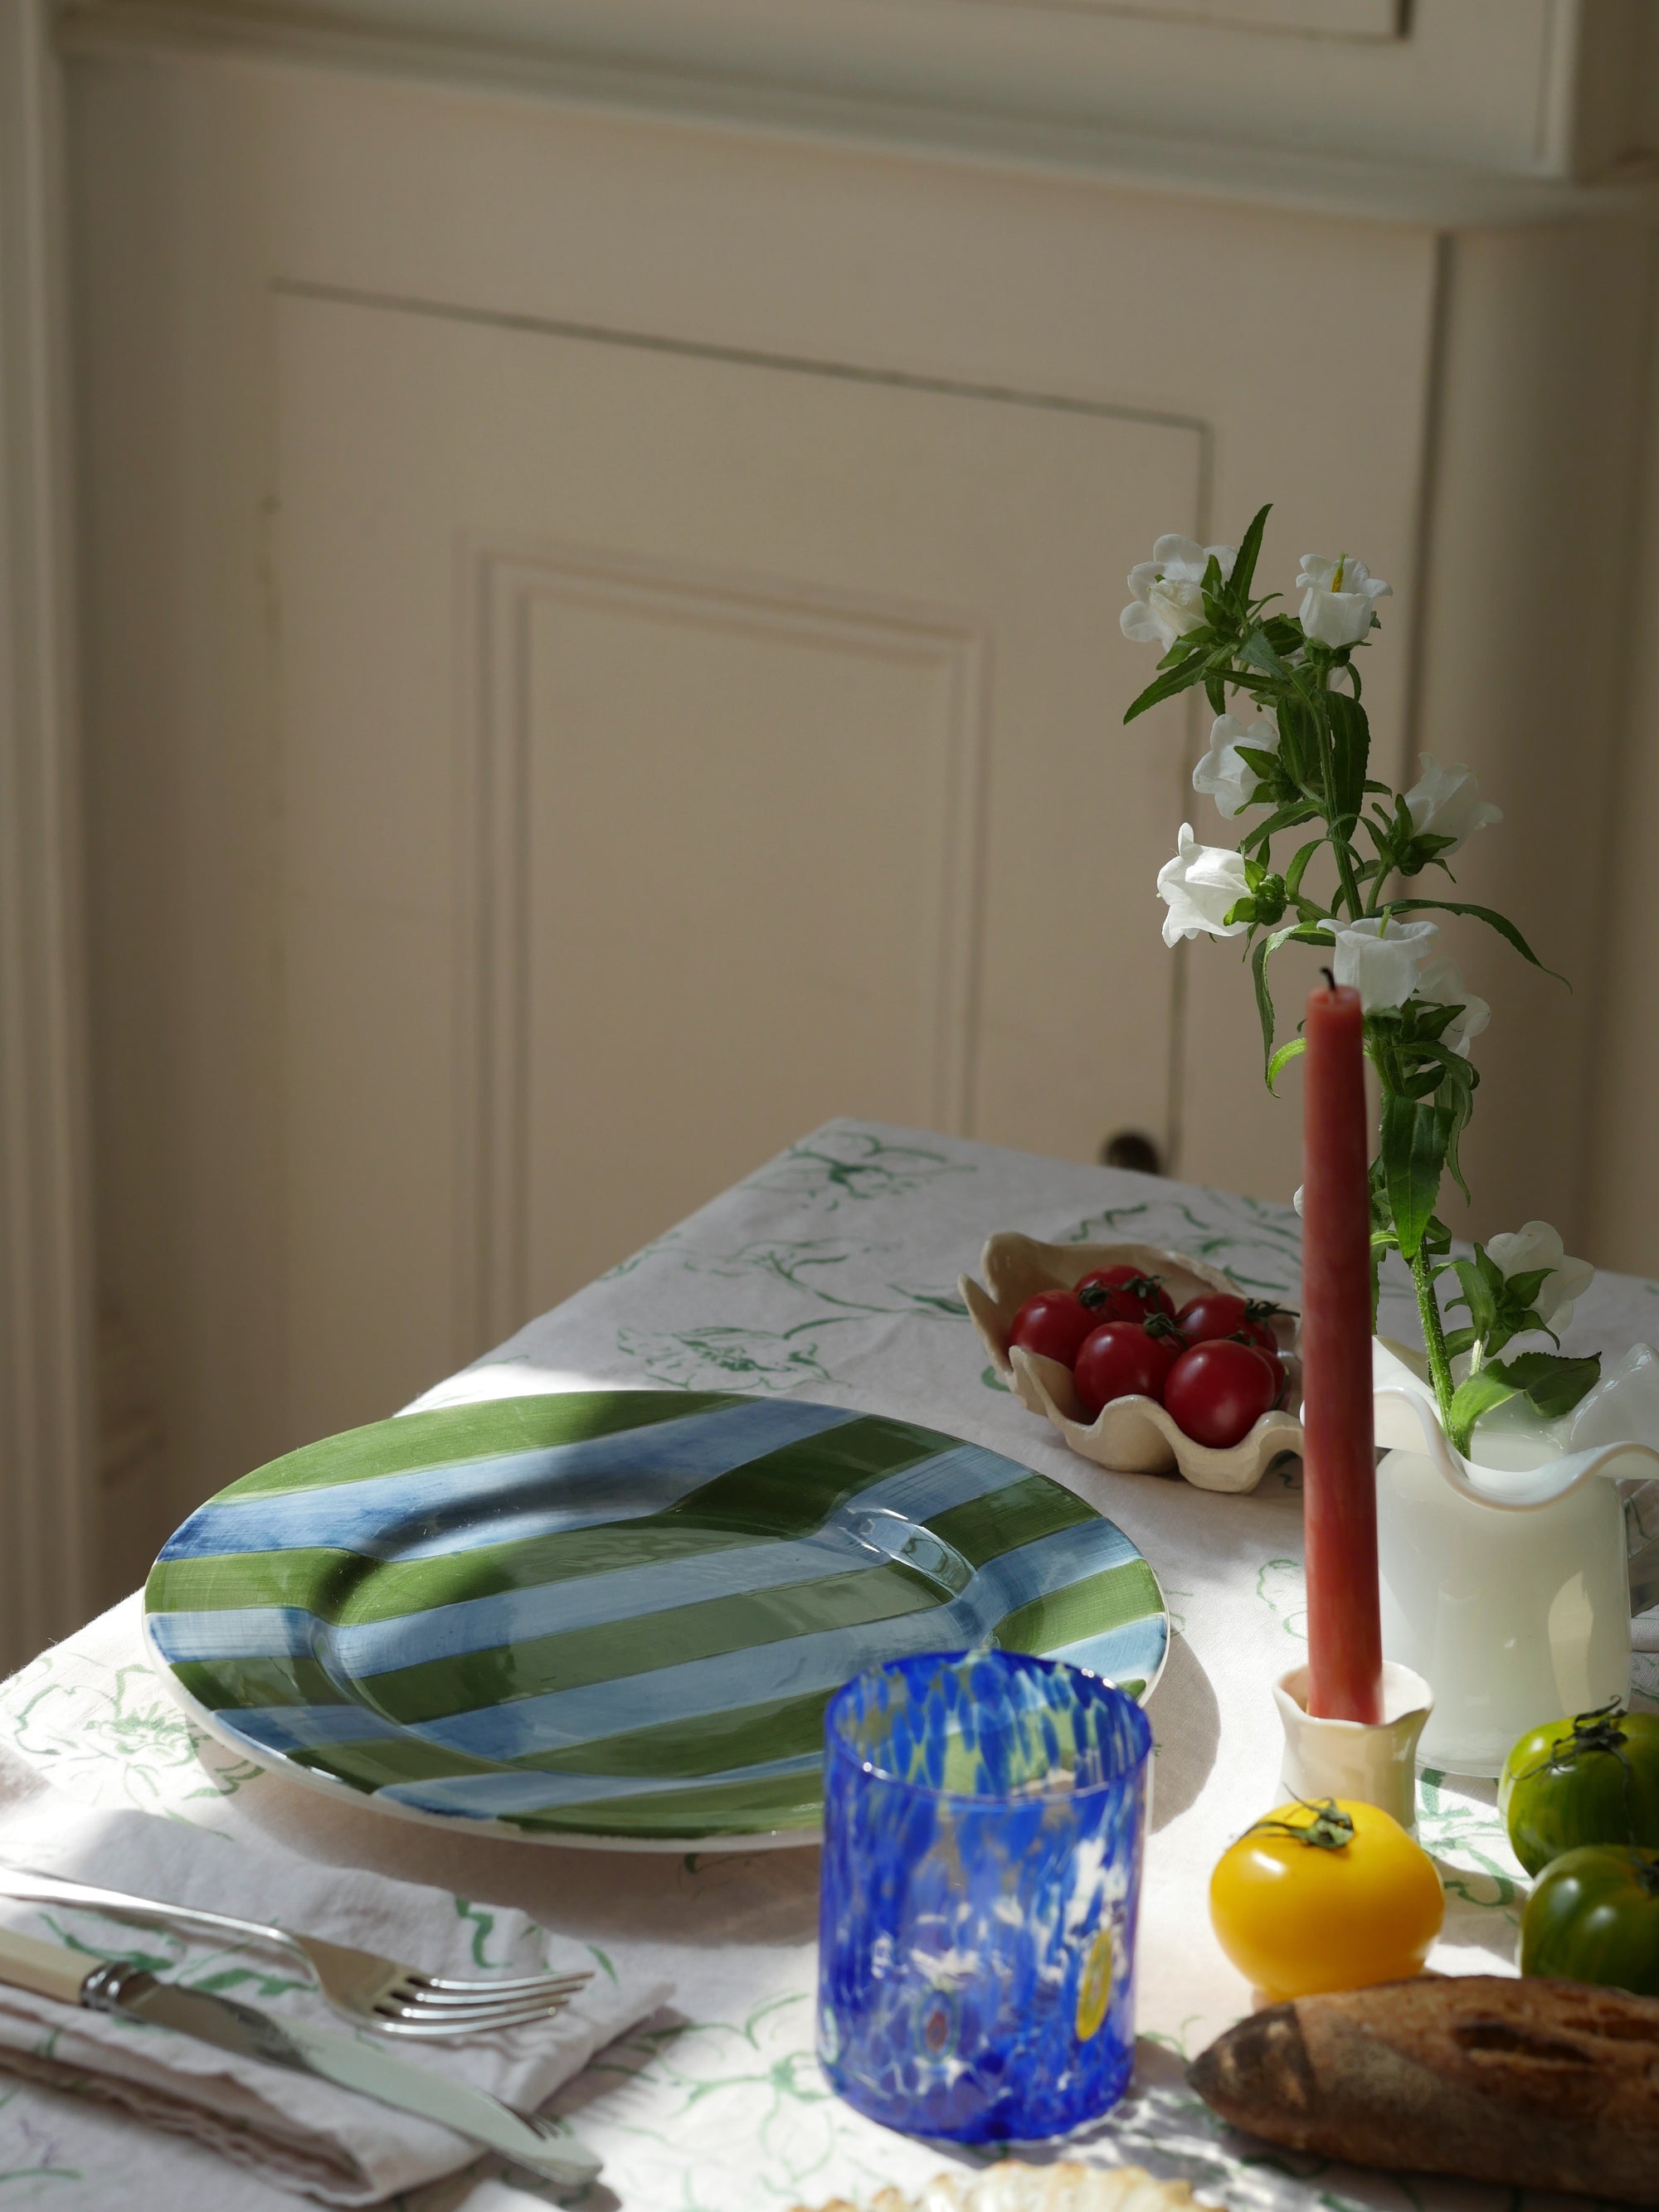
(983, 1824)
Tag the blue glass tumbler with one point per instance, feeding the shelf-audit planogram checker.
(984, 1819)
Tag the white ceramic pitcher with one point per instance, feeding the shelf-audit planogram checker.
(1505, 1579)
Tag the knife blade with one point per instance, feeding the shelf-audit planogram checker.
(49, 1970)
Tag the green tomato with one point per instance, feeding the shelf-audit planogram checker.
(1595, 1917)
(1594, 1779)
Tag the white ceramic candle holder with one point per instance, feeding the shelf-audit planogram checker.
(1372, 1762)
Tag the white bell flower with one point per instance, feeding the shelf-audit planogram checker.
(1338, 598)
(1198, 886)
(1168, 601)
(1519, 1251)
(1446, 802)
(1383, 959)
(1223, 774)
(1296, 1201)
(1441, 985)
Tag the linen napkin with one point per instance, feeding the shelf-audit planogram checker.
(297, 2132)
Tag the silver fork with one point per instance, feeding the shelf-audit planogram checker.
(396, 1999)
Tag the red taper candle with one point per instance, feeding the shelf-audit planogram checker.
(1338, 1461)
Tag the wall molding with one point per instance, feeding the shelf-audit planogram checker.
(1050, 134)
(47, 1423)
(499, 586)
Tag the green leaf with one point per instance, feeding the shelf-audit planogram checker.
(1505, 929)
(1415, 1134)
(1470, 1399)
(1457, 1340)
(1299, 867)
(1179, 679)
(1523, 1288)
(1296, 749)
(1282, 1059)
(1264, 999)
(1257, 653)
(1553, 1384)
(1260, 953)
(1459, 1107)
(1249, 548)
(1215, 692)
(1351, 740)
(1477, 1296)
(1288, 817)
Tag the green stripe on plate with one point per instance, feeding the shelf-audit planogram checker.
(983, 1529)
(781, 1801)
(488, 1430)
(709, 1629)
(1110, 1600)
(318, 1581)
(751, 1735)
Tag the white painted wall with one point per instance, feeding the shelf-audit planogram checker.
(523, 526)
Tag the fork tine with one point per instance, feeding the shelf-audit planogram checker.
(509, 1985)
(389, 2001)
(446, 2027)
(453, 2000)
(408, 2000)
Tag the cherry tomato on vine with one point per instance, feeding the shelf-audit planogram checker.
(1122, 1293)
(1592, 1779)
(1054, 1325)
(1325, 1896)
(1218, 1392)
(1121, 1360)
(1594, 1917)
(1224, 1313)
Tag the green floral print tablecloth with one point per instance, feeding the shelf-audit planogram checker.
(831, 1271)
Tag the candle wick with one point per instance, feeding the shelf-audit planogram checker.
(1329, 978)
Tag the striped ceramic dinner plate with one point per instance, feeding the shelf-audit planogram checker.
(617, 1615)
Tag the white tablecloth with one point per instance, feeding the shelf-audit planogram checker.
(830, 1273)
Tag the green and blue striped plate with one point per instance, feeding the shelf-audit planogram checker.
(617, 1615)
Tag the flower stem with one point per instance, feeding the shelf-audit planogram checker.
(1434, 1336)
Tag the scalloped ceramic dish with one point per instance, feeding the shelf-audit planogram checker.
(1132, 1436)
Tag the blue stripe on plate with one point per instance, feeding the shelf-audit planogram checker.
(307, 1727)
(496, 1796)
(521, 1727)
(663, 1463)
(867, 1529)
(252, 1631)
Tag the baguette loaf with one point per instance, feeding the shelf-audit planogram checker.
(1536, 2084)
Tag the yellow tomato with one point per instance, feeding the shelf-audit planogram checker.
(1330, 1897)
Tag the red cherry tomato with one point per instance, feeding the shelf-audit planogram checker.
(1275, 1368)
(1121, 1360)
(1054, 1324)
(1122, 1293)
(1218, 1391)
(1224, 1313)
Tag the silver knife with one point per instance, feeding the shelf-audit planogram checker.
(51, 1970)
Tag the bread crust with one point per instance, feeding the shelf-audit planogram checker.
(1535, 2084)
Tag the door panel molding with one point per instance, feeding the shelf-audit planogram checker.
(500, 584)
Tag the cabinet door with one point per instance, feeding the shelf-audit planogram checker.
(677, 749)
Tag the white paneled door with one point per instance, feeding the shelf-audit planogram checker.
(679, 747)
